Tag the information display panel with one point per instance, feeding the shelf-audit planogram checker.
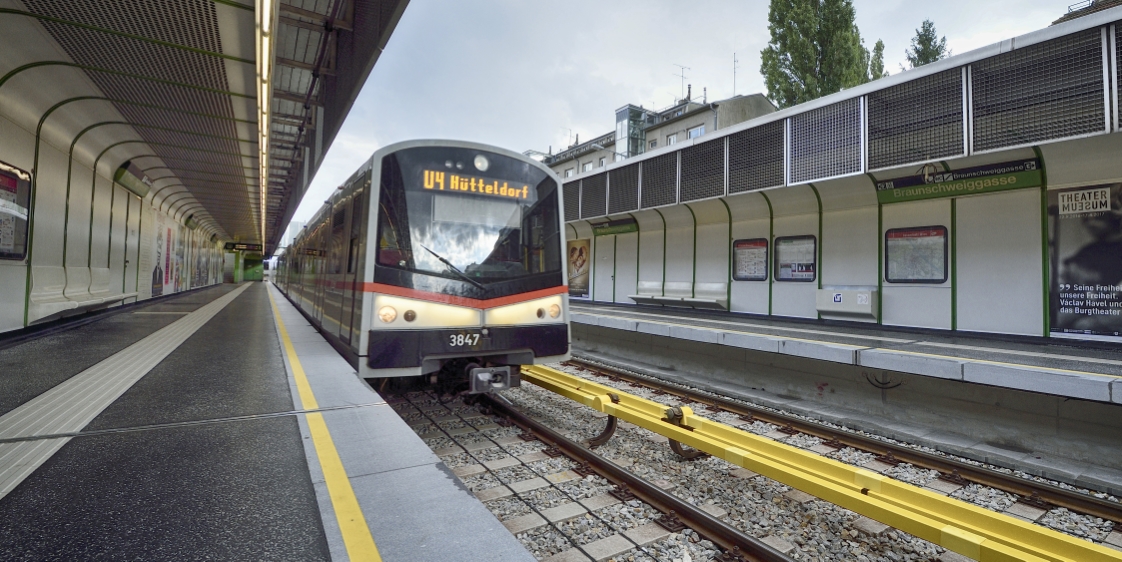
(916, 255)
(796, 258)
(749, 258)
(15, 196)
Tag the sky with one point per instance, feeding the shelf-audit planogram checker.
(536, 75)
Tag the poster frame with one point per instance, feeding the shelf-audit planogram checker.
(946, 255)
(24, 186)
(775, 253)
(767, 258)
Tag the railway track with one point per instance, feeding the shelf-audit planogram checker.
(1036, 494)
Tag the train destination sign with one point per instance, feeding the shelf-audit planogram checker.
(969, 181)
(243, 247)
(491, 187)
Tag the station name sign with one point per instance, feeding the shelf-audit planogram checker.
(490, 187)
(243, 247)
(970, 181)
(618, 226)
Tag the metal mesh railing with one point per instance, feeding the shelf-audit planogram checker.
(703, 170)
(571, 192)
(1118, 75)
(756, 158)
(660, 180)
(624, 194)
(826, 142)
(1047, 91)
(916, 121)
(594, 196)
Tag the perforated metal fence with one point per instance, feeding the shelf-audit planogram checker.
(916, 121)
(1118, 75)
(571, 193)
(826, 142)
(703, 170)
(624, 194)
(1042, 92)
(594, 196)
(756, 158)
(660, 180)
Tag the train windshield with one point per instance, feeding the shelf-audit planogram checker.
(477, 226)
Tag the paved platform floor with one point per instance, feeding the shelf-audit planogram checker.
(190, 428)
(1062, 367)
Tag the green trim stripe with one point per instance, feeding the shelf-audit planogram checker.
(693, 283)
(770, 248)
(728, 281)
(39, 64)
(1044, 257)
(663, 250)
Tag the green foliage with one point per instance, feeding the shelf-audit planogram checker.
(876, 64)
(815, 50)
(927, 46)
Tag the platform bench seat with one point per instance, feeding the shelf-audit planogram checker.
(648, 290)
(48, 299)
(712, 296)
(674, 293)
(99, 286)
(78, 287)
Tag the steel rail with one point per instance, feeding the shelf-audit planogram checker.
(951, 469)
(720, 533)
(967, 529)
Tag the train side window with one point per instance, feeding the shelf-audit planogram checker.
(749, 260)
(916, 255)
(796, 258)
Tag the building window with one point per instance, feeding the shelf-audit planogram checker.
(586, 167)
(654, 143)
(696, 132)
(671, 139)
(569, 173)
(603, 161)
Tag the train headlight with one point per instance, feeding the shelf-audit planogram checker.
(481, 163)
(544, 310)
(387, 314)
(554, 311)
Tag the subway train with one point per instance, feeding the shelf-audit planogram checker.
(437, 264)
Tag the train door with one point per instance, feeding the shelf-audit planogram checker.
(626, 266)
(319, 273)
(603, 277)
(333, 293)
(353, 251)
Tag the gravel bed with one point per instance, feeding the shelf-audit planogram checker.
(544, 542)
(545, 498)
(628, 515)
(989, 498)
(481, 482)
(1085, 526)
(458, 459)
(585, 529)
(912, 474)
(439, 442)
(508, 508)
(587, 487)
(516, 473)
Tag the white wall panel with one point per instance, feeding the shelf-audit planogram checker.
(603, 275)
(794, 298)
(650, 246)
(116, 254)
(679, 244)
(909, 304)
(97, 253)
(132, 242)
(627, 255)
(751, 219)
(78, 216)
(50, 207)
(849, 247)
(999, 263)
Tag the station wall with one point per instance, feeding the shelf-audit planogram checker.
(96, 248)
(997, 247)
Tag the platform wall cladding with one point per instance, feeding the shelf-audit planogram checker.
(982, 193)
(100, 247)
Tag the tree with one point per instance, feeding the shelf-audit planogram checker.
(927, 46)
(815, 50)
(876, 64)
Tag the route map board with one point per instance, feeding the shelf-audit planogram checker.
(916, 255)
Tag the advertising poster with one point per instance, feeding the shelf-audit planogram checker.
(916, 255)
(580, 258)
(796, 258)
(749, 260)
(15, 189)
(160, 252)
(1085, 246)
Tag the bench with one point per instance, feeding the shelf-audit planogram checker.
(648, 290)
(78, 287)
(710, 296)
(48, 299)
(99, 286)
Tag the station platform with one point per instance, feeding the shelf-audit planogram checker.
(218, 424)
(1060, 367)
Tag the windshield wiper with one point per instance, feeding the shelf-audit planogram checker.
(454, 269)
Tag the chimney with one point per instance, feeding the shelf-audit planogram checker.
(689, 91)
(578, 140)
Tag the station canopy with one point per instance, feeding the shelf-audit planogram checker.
(225, 106)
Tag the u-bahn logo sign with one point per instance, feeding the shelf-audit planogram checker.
(969, 181)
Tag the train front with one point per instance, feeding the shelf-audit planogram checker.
(468, 278)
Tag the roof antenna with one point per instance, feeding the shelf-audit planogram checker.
(682, 75)
(735, 63)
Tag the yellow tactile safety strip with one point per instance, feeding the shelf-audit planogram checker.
(934, 355)
(356, 533)
(953, 524)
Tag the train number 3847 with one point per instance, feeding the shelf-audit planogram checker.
(459, 340)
